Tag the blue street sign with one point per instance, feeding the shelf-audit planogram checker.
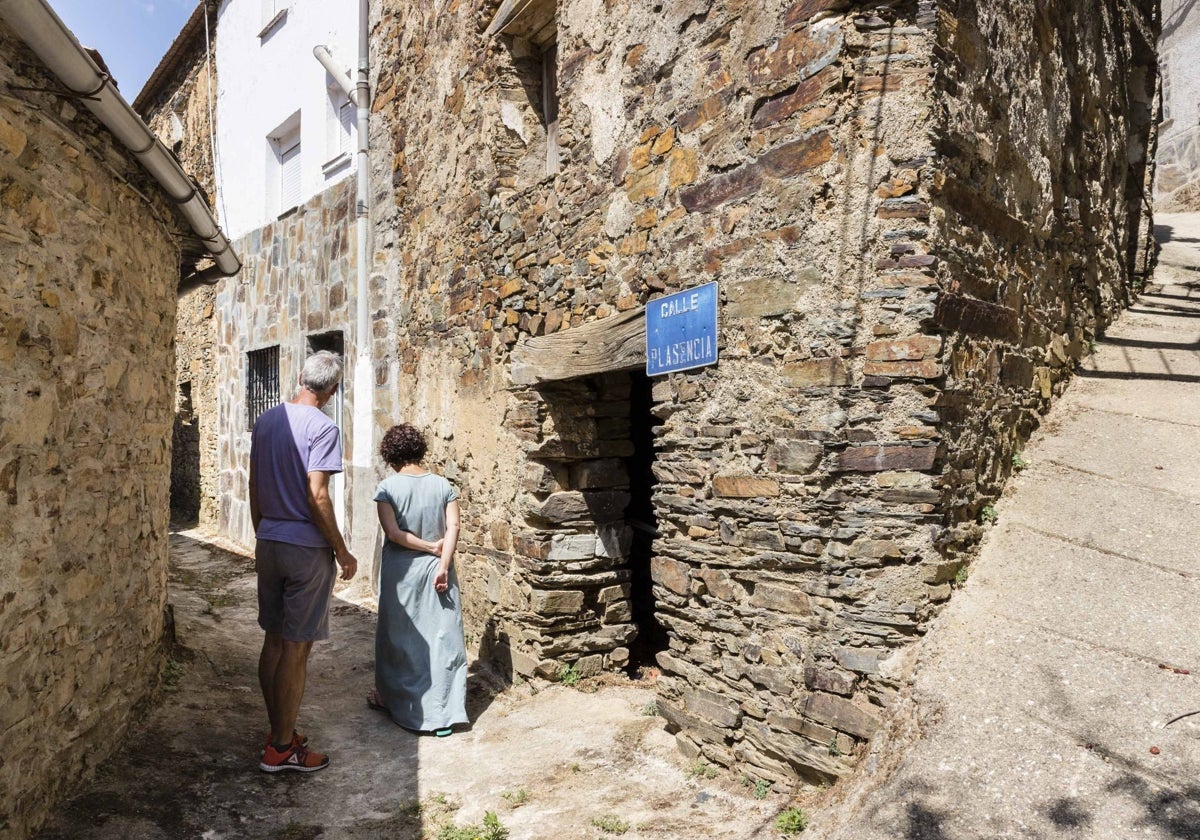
(681, 330)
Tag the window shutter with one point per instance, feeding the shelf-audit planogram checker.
(347, 116)
(289, 178)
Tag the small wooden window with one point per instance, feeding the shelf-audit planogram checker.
(347, 114)
(335, 342)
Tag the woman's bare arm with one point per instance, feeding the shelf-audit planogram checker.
(449, 544)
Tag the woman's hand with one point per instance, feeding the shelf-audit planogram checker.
(441, 581)
(435, 548)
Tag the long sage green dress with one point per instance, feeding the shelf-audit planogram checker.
(420, 655)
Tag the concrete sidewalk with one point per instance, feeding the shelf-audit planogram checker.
(1044, 689)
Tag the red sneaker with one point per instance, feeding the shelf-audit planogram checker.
(294, 758)
(298, 740)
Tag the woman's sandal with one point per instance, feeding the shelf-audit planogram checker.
(373, 701)
(443, 733)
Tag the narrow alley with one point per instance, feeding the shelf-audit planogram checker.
(548, 759)
(1041, 697)
(815, 409)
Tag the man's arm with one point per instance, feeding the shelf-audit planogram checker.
(322, 513)
(255, 513)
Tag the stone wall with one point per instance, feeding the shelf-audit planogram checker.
(1177, 187)
(179, 115)
(908, 270)
(194, 466)
(86, 321)
(766, 146)
(1042, 220)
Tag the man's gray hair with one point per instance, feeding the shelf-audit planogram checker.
(322, 371)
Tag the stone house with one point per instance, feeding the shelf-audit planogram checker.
(1177, 186)
(95, 240)
(286, 188)
(912, 247)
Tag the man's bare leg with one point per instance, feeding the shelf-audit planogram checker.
(268, 661)
(287, 685)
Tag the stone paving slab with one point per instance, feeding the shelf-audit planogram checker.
(1045, 737)
(1081, 593)
(1174, 402)
(1161, 530)
(1137, 451)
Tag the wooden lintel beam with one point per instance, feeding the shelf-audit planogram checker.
(522, 18)
(609, 344)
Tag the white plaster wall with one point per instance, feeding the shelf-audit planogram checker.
(1177, 186)
(1181, 59)
(263, 81)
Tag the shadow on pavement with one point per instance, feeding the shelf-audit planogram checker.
(189, 768)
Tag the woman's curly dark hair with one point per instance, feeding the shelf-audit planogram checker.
(403, 444)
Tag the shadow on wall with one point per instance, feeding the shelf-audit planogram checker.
(854, 250)
(1177, 18)
(185, 469)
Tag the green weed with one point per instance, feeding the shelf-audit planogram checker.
(791, 821)
(1018, 461)
(172, 674)
(701, 770)
(568, 675)
(516, 798)
(650, 709)
(960, 577)
(761, 786)
(490, 829)
(988, 515)
(611, 824)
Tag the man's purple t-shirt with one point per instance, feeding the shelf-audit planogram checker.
(290, 441)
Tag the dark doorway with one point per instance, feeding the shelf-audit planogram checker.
(652, 636)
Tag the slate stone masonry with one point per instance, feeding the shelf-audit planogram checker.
(892, 322)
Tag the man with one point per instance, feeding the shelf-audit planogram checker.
(294, 450)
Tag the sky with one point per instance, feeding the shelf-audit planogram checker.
(132, 35)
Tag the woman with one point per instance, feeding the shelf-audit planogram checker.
(420, 656)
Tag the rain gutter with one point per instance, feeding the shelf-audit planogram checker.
(40, 28)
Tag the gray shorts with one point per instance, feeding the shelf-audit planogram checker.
(294, 585)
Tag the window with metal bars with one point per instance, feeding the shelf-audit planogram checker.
(262, 382)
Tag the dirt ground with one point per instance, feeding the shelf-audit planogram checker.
(550, 761)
